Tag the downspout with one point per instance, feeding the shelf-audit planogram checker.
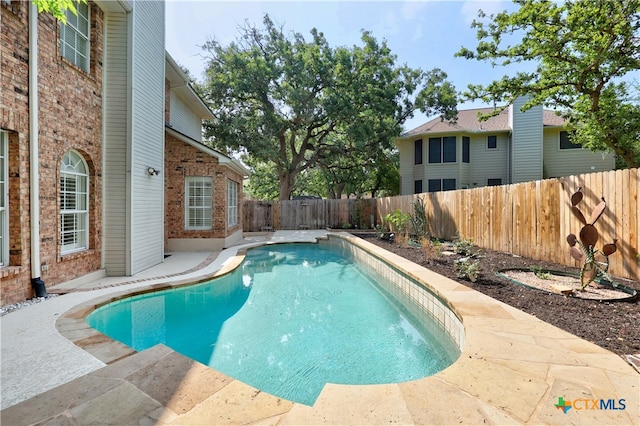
(34, 181)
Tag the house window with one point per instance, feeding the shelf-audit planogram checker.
(417, 147)
(492, 142)
(232, 203)
(4, 200)
(436, 185)
(494, 182)
(565, 141)
(417, 186)
(74, 37)
(74, 203)
(465, 149)
(448, 184)
(199, 202)
(442, 150)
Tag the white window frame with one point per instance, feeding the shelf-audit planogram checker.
(4, 199)
(74, 203)
(198, 205)
(75, 34)
(232, 203)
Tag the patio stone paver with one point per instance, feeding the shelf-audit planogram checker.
(424, 400)
(354, 405)
(236, 403)
(178, 383)
(115, 407)
(490, 382)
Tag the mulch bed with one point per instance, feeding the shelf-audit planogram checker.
(612, 325)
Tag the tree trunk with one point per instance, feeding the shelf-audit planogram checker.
(337, 191)
(286, 185)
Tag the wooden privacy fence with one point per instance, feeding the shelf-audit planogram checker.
(530, 219)
(307, 214)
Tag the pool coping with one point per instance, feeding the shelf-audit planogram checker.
(513, 368)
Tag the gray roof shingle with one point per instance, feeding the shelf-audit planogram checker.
(468, 122)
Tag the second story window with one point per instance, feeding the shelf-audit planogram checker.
(466, 148)
(442, 150)
(565, 141)
(492, 142)
(417, 147)
(74, 37)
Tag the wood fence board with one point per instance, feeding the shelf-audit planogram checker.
(563, 207)
(556, 239)
(624, 213)
(616, 261)
(634, 231)
(531, 226)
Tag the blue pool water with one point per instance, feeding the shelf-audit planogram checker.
(290, 319)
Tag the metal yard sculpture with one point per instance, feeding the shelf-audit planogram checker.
(595, 262)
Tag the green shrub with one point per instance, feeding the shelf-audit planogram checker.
(464, 247)
(419, 221)
(467, 269)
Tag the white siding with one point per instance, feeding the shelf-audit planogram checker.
(441, 171)
(527, 142)
(488, 163)
(115, 157)
(183, 119)
(147, 135)
(566, 162)
(405, 148)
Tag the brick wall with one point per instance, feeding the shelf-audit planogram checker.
(182, 160)
(70, 107)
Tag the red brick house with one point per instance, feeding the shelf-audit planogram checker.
(85, 110)
(203, 186)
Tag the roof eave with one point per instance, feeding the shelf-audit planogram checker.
(223, 160)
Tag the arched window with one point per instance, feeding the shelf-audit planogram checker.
(74, 203)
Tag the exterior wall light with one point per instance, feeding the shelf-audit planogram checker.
(153, 171)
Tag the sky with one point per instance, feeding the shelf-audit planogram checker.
(422, 34)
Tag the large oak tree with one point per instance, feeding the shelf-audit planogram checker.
(587, 54)
(295, 103)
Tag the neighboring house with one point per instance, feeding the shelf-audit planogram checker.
(203, 186)
(82, 125)
(511, 147)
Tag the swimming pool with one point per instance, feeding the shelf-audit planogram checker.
(290, 319)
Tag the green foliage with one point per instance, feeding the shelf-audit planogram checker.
(585, 52)
(301, 104)
(356, 215)
(539, 272)
(263, 182)
(57, 8)
(468, 269)
(463, 246)
(419, 221)
(398, 221)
